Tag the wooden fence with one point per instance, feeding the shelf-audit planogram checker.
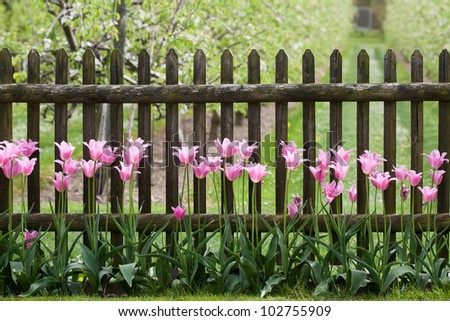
(61, 93)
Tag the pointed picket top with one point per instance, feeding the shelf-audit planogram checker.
(254, 67)
(390, 66)
(281, 67)
(88, 67)
(144, 67)
(199, 67)
(226, 70)
(308, 67)
(444, 66)
(62, 67)
(363, 66)
(417, 66)
(116, 67)
(335, 66)
(33, 72)
(171, 67)
(6, 70)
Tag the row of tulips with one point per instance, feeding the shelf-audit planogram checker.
(229, 259)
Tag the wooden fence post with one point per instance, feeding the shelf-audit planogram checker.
(116, 123)
(416, 141)
(444, 146)
(33, 129)
(309, 134)
(281, 132)
(226, 127)
(362, 143)
(61, 78)
(254, 128)
(6, 77)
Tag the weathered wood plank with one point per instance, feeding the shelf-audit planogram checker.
(33, 130)
(224, 93)
(281, 131)
(335, 119)
(6, 77)
(88, 125)
(444, 146)
(116, 129)
(61, 77)
(309, 134)
(362, 143)
(226, 126)
(417, 128)
(200, 131)
(254, 127)
(211, 223)
(144, 132)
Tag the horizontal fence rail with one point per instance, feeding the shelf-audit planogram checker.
(223, 93)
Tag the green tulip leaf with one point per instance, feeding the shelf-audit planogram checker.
(128, 272)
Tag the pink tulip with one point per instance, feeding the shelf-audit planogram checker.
(27, 165)
(232, 172)
(404, 192)
(256, 172)
(340, 171)
(319, 174)
(65, 150)
(429, 194)
(186, 154)
(179, 212)
(27, 147)
(125, 171)
(436, 159)
(323, 159)
(342, 155)
(61, 181)
(90, 167)
(291, 147)
(135, 151)
(245, 150)
(401, 173)
(352, 194)
(12, 173)
(437, 176)
(213, 162)
(201, 170)
(227, 148)
(414, 178)
(12, 150)
(95, 149)
(293, 160)
(109, 155)
(369, 161)
(332, 190)
(29, 236)
(293, 209)
(69, 167)
(381, 180)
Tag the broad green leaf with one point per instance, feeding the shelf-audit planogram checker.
(395, 274)
(273, 281)
(128, 272)
(357, 279)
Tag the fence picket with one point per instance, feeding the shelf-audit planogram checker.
(362, 143)
(33, 128)
(281, 131)
(444, 146)
(335, 119)
(88, 126)
(226, 126)
(200, 131)
(309, 133)
(254, 127)
(116, 123)
(144, 132)
(6, 77)
(61, 77)
(172, 140)
(416, 138)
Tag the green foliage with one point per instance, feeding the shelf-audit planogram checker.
(423, 25)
